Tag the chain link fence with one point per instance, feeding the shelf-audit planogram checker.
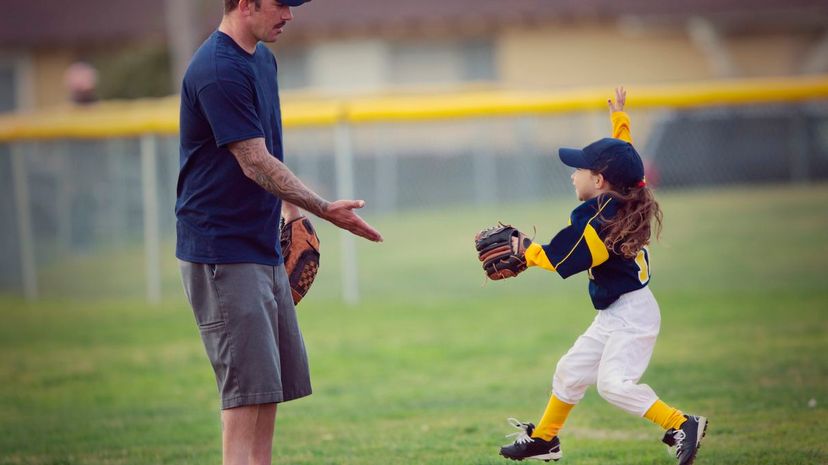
(62, 200)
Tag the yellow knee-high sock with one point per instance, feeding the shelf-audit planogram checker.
(665, 416)
(553, 419)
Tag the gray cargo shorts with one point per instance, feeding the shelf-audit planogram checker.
(247, 320)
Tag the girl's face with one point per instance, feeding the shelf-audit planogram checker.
(587, 184)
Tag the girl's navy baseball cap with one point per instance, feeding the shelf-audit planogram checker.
(616, 159)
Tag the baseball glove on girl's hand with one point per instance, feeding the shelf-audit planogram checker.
(300, 248)
(502, 250)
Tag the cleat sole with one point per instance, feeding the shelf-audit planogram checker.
(551, 457)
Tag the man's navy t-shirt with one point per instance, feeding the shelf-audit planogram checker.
(228, 95)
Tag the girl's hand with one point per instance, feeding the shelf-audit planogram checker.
(620, 100)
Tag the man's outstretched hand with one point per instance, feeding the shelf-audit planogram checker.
(341, 213)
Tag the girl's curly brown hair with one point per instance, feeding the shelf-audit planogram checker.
(629, 230)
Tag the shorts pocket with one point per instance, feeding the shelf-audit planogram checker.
(208, 327)
(217, 345)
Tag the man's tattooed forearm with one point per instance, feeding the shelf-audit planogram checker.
(281, 182)
(273, 176)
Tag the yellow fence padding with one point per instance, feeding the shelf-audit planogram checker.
(160, 116)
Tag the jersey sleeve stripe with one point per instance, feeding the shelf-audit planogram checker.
(621, 126)
(536, 256)
(597, 249)
(584, 234)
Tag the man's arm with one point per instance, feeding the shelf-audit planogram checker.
(290, 211)
(276, 178)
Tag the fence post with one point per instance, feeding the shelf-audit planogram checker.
(343, 152)
(63, 194)
(24, 221)
(116, 207)
(800, 169)
(485, 167)
(385, 175)
(149, 185)
(533, 180)
(307, 164)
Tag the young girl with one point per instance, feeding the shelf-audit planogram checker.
(607, 237)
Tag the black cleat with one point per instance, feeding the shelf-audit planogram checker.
(527, 447)
(687, 439)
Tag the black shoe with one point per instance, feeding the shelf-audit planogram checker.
(687, 439)
(527, 447)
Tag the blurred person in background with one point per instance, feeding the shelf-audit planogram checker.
(232, 187)
(81, 82)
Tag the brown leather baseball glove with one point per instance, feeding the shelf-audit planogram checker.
(300, 248)
(502, 249)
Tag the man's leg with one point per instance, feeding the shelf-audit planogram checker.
(238, 427)
(263, 437)
(258, 320)
(247, 434)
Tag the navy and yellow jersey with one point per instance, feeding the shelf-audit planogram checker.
(580, 247)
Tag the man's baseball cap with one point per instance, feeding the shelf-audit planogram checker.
(293, 2)
(616, 159)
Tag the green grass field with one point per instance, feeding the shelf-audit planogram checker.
(430, 364)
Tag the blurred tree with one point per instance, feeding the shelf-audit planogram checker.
(142, 72)
(181, 18)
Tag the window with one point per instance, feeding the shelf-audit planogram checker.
(16, 82)
(8, 87)
(441, 62)
(293, 68)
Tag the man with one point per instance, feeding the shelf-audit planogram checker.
(81, 81)
(232, 186)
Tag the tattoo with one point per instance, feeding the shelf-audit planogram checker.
(275, 177)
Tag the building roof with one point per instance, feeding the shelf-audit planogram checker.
(46, 22)
(49, 22)
(348, 16)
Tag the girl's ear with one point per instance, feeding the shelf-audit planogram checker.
(599, 180)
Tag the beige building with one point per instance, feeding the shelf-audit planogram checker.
(369, 46)
(374, 45)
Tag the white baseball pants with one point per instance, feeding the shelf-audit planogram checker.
(613, 353)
